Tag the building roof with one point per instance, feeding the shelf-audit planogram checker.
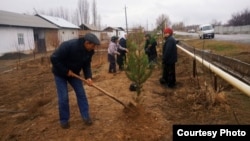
(23, 20)
(113, 28)
(59, 22)
(89, 27)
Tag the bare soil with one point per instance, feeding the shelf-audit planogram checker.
(29, 109)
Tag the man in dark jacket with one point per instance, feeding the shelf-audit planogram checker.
(169, 58)
(122, 56)
(70, 58)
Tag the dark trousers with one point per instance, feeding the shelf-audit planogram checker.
(169, 74)
(112, 63)
(120, 60)
(152, 58)
(63, 97)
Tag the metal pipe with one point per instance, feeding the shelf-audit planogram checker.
(230, 79)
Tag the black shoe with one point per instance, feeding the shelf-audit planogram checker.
(88, 122)
(65, 125)
(121, 69)
(170, 86)
(162, 81)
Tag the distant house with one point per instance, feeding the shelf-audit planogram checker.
(23, 33)
(66, 30)
(114, 31)
(86, 28)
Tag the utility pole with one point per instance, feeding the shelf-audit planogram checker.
(35, 10)
(126, 19)
(147, 25)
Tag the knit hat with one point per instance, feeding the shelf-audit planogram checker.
(168, 30)
(92, 38)
(114, 38)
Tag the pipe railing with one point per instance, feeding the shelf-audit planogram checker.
(245, 88)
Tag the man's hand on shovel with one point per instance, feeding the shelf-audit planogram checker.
(87, 81)
(70, 73)
(90, 83)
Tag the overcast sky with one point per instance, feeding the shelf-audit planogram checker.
(141, 12)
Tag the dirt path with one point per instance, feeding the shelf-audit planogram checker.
(28, 105)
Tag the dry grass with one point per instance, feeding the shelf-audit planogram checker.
(230, 49)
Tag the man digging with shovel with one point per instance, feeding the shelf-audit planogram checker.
(69, 59)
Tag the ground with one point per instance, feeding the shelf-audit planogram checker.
(29, 110)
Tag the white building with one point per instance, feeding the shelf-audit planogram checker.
(114, 31)
(21, 33)
(27, 33)
(66, 30)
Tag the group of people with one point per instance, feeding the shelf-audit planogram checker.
(169, 56)
(117, 50)
(75, 55)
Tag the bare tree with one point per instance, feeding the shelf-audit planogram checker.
(86, 12)
(179, 26)
(242, 18)
(83, 8)
(75, 18)
(94, 12)
(81, 15)
(162, 21)
(99, 22)
(58, 12)
(63, 13)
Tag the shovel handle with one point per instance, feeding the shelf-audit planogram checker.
(79, 77)
(100, 89)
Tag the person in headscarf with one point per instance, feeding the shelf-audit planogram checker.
(112, 52)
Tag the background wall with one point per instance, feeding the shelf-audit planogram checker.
(232, 29)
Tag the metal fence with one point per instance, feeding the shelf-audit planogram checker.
(236, 68)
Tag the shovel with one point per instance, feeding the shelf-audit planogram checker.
(105, 92)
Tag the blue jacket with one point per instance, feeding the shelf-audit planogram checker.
(72, 55)
(169, 51)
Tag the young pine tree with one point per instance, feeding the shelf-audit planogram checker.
(137, 65)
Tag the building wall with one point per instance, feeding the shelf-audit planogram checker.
(9, 40)
(51, 39)
(118, 33)
(67, 34)
(232, 29)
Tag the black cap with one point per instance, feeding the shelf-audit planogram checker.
(114, 38)
(92, 38)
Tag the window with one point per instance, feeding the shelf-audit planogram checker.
(20, 39)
